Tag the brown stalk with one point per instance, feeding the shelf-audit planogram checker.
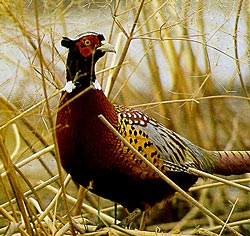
(13, 180)
(59, 168)
(235, 37)
(126, 46)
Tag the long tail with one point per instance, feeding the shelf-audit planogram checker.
(229, 162)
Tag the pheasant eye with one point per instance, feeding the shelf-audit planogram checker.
(87, 42)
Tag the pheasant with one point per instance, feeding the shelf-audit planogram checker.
(90, 152)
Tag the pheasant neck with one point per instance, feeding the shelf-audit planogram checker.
(80, 71)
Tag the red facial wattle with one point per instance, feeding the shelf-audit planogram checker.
(86, 45)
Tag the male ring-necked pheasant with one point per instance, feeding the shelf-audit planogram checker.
(89, 151)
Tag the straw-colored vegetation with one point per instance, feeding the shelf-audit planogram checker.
(185, 63)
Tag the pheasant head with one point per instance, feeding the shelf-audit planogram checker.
(84, 52)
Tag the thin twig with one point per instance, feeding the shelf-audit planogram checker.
(235, 38)
(13, 180)
(228, 182)
(196, 100)
(230, 214)
(126, 46)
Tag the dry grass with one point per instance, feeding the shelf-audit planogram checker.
(185, 63)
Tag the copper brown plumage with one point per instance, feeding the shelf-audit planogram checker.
(89, 151)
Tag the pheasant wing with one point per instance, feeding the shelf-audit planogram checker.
(160, 145)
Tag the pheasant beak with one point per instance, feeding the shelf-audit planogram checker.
(106, 47)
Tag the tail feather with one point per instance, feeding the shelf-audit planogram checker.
(231, 162)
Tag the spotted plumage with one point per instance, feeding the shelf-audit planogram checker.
(90, 152)
(161, 146)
